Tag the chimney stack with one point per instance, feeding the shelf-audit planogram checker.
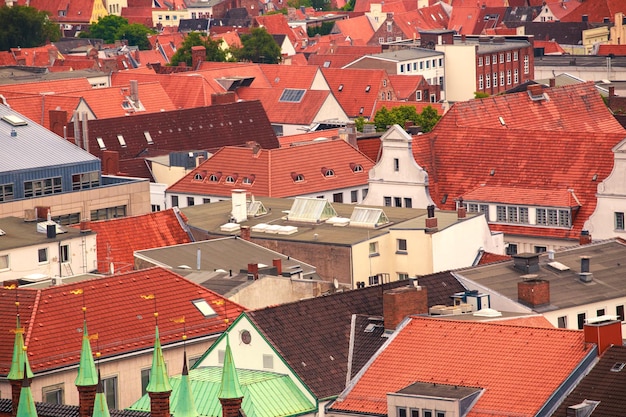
(585, 274)
(278, 264)
(461, 210)
(239, 209)
(198, 54)
(253, 269)
(552, 82)
(431, 220)
(585, 237)
(245, 233)
(401, 302)
(533, 291)
(604, 331)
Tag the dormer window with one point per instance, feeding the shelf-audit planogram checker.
(297, 177)
(356, 167)
(214, 178)
(198, 177)
(328, 172)
(247, 180)
(230, 179)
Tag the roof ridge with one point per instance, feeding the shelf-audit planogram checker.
(31, 321)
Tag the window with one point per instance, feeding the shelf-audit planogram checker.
(368, 88)
(4, 262)
(562, 322)
(421, 65)
(108, 213)
(43, 255)
(374, 280)
(381, 40)
(619, 221)
(387, 201)
(540, 249)
(508, 57)
(357, 168)
(495, 79)
(511, 214)
(502, 58)
(415, 412)
(523, 215)
(110, 391)
(401, 412)
(121, 140)
(206, 200)
(145, 379)
(408, 202)
(397, 201)
(526, 64)
(581, 320)
(268, 362)
(299, 178)
(354, 196)
(83, 181)
(564, 219)
(441, 62)
(6, 192)
(418, 95)
(487, 60)
(190, 201)
(515, 76)
(494, 59)
(515, 56)
(41, 187)
(174, 201)
(600, 312)
(384, 83)
(480, 61)
(401, 245)
(403, 276)
(156, 207)
(487, 81)
(389, 27)
(67, 219)
(501, 213)
(340, 87)
(290, 95)
(373, 248)
(619, 312)
(441, 413)
(501, 78)
(148, 137)
(480, 82)
(396, 164)
(64, 253)
(552, 217)
(230, 179)
(338, 198)
(53, 394)
(427, 413)
(508, 77)
(511, 249)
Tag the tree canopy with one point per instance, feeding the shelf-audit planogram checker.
(26, 27)
(258, 46)
(213, 50)
(427, 119)
(113, 28)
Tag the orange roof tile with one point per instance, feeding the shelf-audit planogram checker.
(519, 195)
(605, 50)
(356, 28)
(276, 24)
(551, 47)
(55, 86)
(272, 170)
(150, 57)
(213, 71)
(115, 311)
(596, 11)
(37, 107)
(298, 59)
(332, 60)
(405, 86)
(506, 361)
(287, 76)
(488, 258)
(331, 44)
(231, 38)
(286, 141)
(75, 11)
(463, 19)
(521, 152)
(117, 239)
(7, 58)
(424, 18)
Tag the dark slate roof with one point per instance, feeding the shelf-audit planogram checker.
(61, 410)
(200, 128)
(368, 338)
(313, 335)
(603, 385)
(193, 25)
(521, 14)
(565, 33)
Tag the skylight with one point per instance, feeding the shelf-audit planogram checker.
(204, 308)
(101, 144)
(312, 210)
(148, 137)
(368, 217)
(120, 138)
(14, 120)
(290, 95)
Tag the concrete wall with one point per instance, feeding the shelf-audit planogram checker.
(270, 290)
(459, 63)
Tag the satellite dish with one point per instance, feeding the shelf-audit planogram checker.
(335, 283)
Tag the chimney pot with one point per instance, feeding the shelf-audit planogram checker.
(585, 237)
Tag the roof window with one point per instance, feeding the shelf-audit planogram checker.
(368, 88)
(120, 138)
(340, 87)
(204, 308)
(328, 172)
(14, 120)
(148, 137)
(291, 95)
(101, 144)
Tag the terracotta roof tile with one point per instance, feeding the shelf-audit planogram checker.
(56, 86)
(543, 360)
(118, 239)
(370, 147)
(463, 19)
(412, 22)
(277, 24)
(7, 58)
(115, 311)
(213, 71)
(287, 76)
(488, 258)
(272, 170)
(356, 28)
(286, 141)
(521, 152)
(520, 195)
(605, 50)
(551, 47)
(596, 11)
(79, 11)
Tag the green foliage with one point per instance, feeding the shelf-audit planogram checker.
(323, 29)
(26, 27)
(136, 34)
(427, 119)
(105, 28)
(359, 122)
(480, 94)
(213, 51)
(349, 6)
(258, 46)
(279, 11)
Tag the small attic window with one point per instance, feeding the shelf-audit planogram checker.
(361, 110)
(340, 87)
(121, 140)
(198, 177)
(247, 180)
(148, 137)
(298, 178)
(214, 178)
(101, 144)
(618, 367)
(230, 179)
(368, 88)
(356, 167)
(14, 120)
(204, 308)
(328, 172)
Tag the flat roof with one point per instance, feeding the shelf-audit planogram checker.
(20, 233)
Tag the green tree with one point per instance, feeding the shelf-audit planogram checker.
(136, 34)
(26, 27)
(106, 28)
(213, 51)
(359, 122)
(323, 29)
(258, 46)
(480, 94)
(427, 119)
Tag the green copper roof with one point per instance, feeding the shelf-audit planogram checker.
(100, 406)
(185, 406)
(26, 405)
(20, 359)
(87, 375)
(265, 394)
(159, 381)
(230, 383)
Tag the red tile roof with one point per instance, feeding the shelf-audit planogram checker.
(287, 76)
(7, 58)
(488, 258)
(140, 15)
(56, 87)
(273, 171)
(596, 11)
(115, 311)
(213, 71)
(75, 11)
(470, 142)
(286, 141)
(332, 60)
(31, 106)
(508, 362)
(370, 147)
(276, 24)
(117, 239)
(561, 9)
(425, 18)
(350, 88)
(521, 195)
(550, 47)
(463, 19)
(356, 28)
(605, 50)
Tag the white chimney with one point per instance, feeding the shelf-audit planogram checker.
(239, 212)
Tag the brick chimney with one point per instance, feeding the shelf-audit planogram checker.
(223, 98)
(401, 302)
(461, 210)
(198, 54)
(585, 237)
(431, 220)
(604, 331)
(552, 82)
(278, 264)
(533, 291)
(58, 122)
(253, 269)
(110, 162)
(159, 404)
(245, 232)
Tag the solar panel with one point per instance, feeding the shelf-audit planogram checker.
(290, 95)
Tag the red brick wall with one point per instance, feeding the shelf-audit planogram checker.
(401, 302)
(534, 292)
(604, 334)
(159, 404)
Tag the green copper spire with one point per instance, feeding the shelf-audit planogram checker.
(100, 407)
(159, 381)
(19, 362)
(230, 383)
(26, 406)
(87, 375)
(184, 404)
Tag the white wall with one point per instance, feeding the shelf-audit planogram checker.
(460, 66)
